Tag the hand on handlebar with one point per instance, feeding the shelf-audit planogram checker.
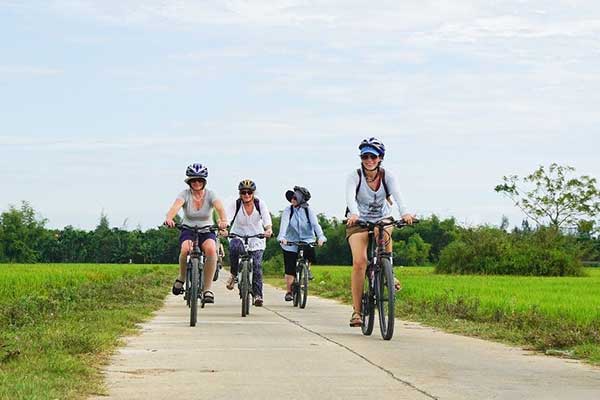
(169, 222)
(283, 242)
(320, 243)
(408, 218)
(268, 233)
(352, 220)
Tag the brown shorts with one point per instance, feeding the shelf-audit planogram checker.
(351, 230)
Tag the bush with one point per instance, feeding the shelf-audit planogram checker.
(485, 250)
(274, 265)
(413, 252)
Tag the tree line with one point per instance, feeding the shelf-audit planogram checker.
(24, 238)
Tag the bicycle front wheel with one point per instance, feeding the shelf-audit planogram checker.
(386, 297)
(367, 304)
(303, 286)
(217, 270)
(193, 297)
(244, 286)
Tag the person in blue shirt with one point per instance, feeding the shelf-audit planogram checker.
(298, 223)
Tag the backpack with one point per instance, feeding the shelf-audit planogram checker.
(385, 187)
(238, 205)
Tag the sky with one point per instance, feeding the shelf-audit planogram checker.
(103, 104)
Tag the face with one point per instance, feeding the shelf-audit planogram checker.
(370, 161)
(246, 195)
(197, 184)
(294, 201)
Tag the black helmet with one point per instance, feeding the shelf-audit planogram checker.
(247, 184)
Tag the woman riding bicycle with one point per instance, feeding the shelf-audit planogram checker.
(250, 216)
(299, 223)
(198, 204)
(368, 192)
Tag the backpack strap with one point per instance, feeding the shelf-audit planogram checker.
(385, 187)
(238, 205)
(305, 210)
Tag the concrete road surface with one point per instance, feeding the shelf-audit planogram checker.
(281, 352)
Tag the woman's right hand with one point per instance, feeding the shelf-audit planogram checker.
(169, 222)
(352, 219)
(283, 242)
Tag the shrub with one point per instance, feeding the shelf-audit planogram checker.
(486, 250)
(274, 265)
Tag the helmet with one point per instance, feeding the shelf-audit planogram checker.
(371, 145)
(196, 171)
(247, 184)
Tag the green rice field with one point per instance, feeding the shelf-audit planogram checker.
(60, 322)
(556, 315)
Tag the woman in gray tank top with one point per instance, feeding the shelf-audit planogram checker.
(368, 197)
(197, 203)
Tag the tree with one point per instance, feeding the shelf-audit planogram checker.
(552, 196)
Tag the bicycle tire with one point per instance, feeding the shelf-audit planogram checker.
(367, 306)
(386, 297)
(194, 292)
(188, 279)
(216, 275)
(296, 287)
(303, 286)
(244, 288)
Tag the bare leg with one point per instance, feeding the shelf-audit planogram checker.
(358, 245)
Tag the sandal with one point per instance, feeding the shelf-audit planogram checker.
(397, 285)
(288, 296)
(177, 290)
(209, 297)
(356, 319)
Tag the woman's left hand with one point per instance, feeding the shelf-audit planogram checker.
(408, 218)
(320, 243)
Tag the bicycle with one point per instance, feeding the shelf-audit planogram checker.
(300, 284)
(220, 255)
(194, 282)
(379, 291)
(246, 267)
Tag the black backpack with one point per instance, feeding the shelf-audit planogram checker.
(238, 205)
(385, 187)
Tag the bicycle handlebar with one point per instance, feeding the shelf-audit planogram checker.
(383, 223)
(235, 235)
(301, 243)
(198, 229)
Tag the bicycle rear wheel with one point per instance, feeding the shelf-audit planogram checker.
(296, 287)
(193, 297)
(386, 297)
(244, 286)
(367, 305)
(303, 286)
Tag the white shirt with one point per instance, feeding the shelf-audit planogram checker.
(252, 224)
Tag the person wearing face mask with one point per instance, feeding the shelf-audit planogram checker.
(298, 223)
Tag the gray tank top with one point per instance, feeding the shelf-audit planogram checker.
(197, 217)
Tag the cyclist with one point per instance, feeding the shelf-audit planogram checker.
(198, 204)
(250, 217)
(298, 223)
(368, 192)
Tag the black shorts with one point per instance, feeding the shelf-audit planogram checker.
(290, 257)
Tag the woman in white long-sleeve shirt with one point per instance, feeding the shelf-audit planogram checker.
(249, 216)
(368, 197)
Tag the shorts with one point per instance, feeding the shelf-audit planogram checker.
(189, 235)
(290, 257)
(351, 230)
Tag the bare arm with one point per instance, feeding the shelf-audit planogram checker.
(218, 205)
(177, 204)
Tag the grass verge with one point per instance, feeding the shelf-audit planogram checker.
(555, 315)
(60, 323)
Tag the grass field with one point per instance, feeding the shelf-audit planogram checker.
(60, 322)
(555, 315)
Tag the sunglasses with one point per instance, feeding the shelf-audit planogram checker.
(368, 156)
(196, 180)
(248, 192)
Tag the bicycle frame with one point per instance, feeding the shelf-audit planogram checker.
(245, 271)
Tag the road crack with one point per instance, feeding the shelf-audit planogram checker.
(357, 354)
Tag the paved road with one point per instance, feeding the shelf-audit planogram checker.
(279, 352)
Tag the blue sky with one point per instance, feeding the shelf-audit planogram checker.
(104, 103)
